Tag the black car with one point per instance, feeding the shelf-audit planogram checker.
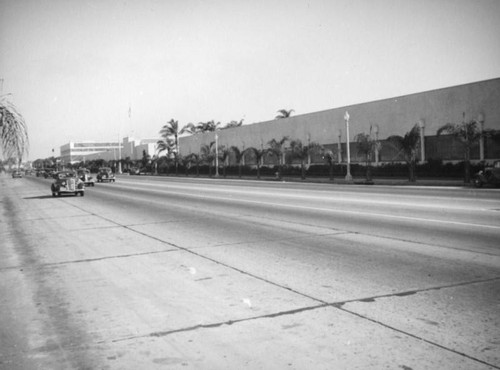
(490, 175)
(66, 182)
(105, 174)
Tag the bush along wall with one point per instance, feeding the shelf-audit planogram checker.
(433, 168)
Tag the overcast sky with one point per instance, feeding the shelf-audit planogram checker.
(75, 67)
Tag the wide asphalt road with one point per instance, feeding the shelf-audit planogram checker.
(185, 273)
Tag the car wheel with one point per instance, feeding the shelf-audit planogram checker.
(82, 193)
(477, 182)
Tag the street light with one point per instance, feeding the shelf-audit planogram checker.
(339, 147)
(348, 177)
(481, 119)
(216, 154)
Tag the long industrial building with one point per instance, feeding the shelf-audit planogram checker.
(395, 116)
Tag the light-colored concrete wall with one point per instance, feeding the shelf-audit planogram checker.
(394, 116)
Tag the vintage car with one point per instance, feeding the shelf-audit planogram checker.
(50, 173)
(17, 174)
(66, 182)
(105, 174)
(85, 176)
(490, 175)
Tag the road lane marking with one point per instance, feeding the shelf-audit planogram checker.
(328, 210)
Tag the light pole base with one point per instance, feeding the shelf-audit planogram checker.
(348, 178)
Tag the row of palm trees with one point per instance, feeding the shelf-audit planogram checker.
(408, 145)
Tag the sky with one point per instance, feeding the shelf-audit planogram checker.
(75, 69)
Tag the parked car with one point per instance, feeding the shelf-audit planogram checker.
(86, 177)
(17, 174)
(490, 175)
(66, 182)
(133, 171)
(105, 174)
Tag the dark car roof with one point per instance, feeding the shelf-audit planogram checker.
(65, 174)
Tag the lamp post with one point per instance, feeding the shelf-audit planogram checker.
(421, 125)
(480, 118)
(348, 176)
(339, 147)
(216, 154)
(119, 154)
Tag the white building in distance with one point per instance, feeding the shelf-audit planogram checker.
(75, 152)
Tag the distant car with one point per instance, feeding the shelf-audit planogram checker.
(17, 174)
(105, 175)
(49, 173)
(85, 176)
(66, 182)
(490, 175)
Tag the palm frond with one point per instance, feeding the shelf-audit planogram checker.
(13, 131)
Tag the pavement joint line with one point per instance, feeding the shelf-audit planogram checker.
(426, 244)
(347, 232)
(221, 323)
(86, 260)
(414, 291)
(52, 218)
(432, 343)
(298, 237)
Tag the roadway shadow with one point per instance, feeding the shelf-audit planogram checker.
(40, 197)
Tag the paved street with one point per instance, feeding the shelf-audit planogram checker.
(186, 273)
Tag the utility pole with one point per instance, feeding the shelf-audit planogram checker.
(216, 154)
(348, 176)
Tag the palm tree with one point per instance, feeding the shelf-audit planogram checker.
(196, 159)
(223, 155)
(283, 113)
(146, 160)
(409, 145)
(276, 148)
(127, 162)
(367, 146)
(238, 154)
(190, 128)
(169, 130)
(233, 124)
(258, 154)
(208, 155)
(303, 152)
(166, 145)
(468, 133)
(209, 126)
(330, 157)
(13, 131)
